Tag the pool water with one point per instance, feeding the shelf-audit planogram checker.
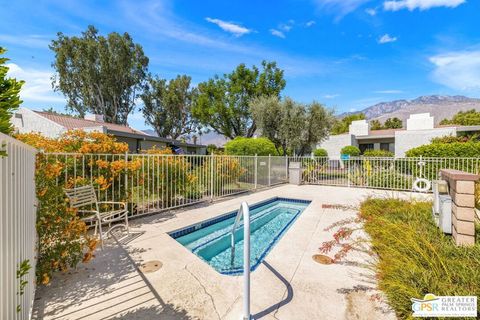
(211, 239)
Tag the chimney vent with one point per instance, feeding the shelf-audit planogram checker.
(94, 117)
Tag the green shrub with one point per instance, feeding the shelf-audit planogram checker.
(351, 151)
(454, 149)
(320, 153)
(409, 266)
(250, 147)
(9, 95)
(378, 153)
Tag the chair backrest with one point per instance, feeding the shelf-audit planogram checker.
(82, 196)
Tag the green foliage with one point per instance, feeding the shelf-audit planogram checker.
(409, 266)
(393, 123)
(9, 95)
(454, 149)
(464, 118)
(97, 74)
(341, 126)
(291, 125)
(167, 106)
(223, 102)
(250, 146)
(22, 271)
(375, 125)
(212, 148)
(378, 153)
(390, 123)
(320, 153)
(350, 150)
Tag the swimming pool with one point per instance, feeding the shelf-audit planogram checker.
(210, 239)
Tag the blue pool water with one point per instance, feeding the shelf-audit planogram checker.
(210, 240)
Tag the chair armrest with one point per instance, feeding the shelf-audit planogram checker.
(88, 213)
(113, 203)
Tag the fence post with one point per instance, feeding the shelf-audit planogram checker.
(126, 177)
(269, 169)
(256, 171)
(211, 176)
(286, 167)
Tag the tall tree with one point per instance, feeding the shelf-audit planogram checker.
(341, 126)
(102, 75)
(464, 118)
(9, 95)
(375, 125)
(167, 106)
(223, 102)
(291, 125)
(393, 123)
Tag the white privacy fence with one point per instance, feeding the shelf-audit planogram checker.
(155, 182)
(17, 228)
(381, 173)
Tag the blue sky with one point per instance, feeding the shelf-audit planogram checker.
(347, 54)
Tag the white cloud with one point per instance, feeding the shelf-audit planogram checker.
(340, 7)
(331, 96)
(38, 84)
(30, 41)
(386, 38)
(277, 33)
(231, 27)
(310, 23)
(395, 5)
(389, 91)
(458, 70)
(370, 11)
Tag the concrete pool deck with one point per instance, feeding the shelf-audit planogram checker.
(287, 285)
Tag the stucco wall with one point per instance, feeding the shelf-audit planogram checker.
(33, 122)
(334, 144)
(408, 139)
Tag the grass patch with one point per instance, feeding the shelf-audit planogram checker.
(415, 257)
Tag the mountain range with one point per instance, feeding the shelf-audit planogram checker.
(440, 107)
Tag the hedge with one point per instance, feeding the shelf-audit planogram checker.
(320, 153)
(250, 147)
(351, 151)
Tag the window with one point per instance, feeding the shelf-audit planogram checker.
(385, 146)
(365, 146)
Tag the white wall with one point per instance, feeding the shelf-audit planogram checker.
(334, 144)
(359, 128)
(33, 122)
(408, 139)
(420, 121)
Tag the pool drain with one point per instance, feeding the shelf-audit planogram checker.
(322, 259)
(150, 266)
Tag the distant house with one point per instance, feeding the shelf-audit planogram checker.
(53, 125)
(419, 130)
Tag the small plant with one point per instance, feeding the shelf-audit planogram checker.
(22, 271)
(378, 153)
(351, 151)
(320, 153)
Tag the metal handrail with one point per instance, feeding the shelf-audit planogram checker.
(244, 211)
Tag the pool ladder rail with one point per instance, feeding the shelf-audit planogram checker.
(244, 211)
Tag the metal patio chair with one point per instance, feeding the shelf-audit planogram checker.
(84, 199)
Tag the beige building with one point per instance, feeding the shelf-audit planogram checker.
(53, 125)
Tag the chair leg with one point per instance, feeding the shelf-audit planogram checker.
(101, 231)
(126, 224)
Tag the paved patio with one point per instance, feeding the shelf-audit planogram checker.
(287, 285)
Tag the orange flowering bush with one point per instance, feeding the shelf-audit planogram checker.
(63, 238)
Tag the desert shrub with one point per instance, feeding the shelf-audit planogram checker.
(250, 147)
(227, 174)
(411, 266)
(351, 151)
(320, 153)
(407, 265)
(378, 153)
(454, 149)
